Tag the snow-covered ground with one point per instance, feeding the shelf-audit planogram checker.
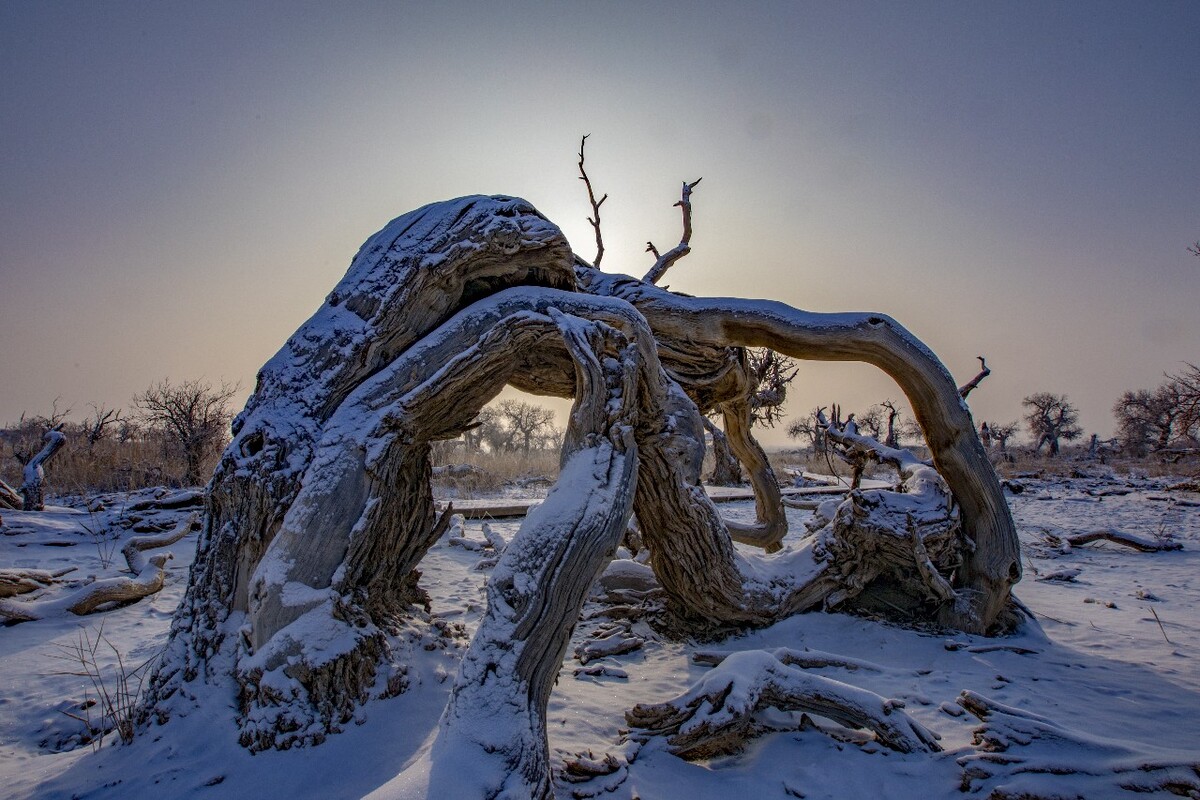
(1112, 672)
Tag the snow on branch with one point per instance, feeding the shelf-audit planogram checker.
(1020, 753)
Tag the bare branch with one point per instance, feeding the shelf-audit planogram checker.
(594, 219)
(663, 262)
(966, 388)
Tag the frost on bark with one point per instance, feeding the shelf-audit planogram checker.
(320, 511)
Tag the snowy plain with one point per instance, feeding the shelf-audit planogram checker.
(1110, 663)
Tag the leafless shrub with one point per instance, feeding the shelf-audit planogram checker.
(115, 690)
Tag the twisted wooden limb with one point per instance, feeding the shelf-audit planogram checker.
(495, 719)
(715, 716)
(771, 524)
(993, 565)
(134, 548)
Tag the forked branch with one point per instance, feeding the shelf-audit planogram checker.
(664, 261)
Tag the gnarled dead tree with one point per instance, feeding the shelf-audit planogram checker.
(34, 473)
(320, 510)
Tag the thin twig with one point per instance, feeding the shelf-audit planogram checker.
(1160, 626)
(595, 218)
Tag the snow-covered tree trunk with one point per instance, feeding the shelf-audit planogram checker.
(321, 508)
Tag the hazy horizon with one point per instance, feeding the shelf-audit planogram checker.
(183, 184)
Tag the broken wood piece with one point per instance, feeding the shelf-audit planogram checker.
(9, 498)
(134, 548)
(806, 658)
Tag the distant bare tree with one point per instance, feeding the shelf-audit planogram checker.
(531, 426)
(1001, 433)
(480, 432)
(1147, 419)
(1186, 384)
(1051, 417)
(194, 415)
(95, 427)
(870, 422)
(808, 428)
(772, 374)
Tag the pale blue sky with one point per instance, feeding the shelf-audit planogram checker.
(184, 182)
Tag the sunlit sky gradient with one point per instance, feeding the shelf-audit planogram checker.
(182, 183)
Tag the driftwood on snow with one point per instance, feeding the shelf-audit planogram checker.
(148, 577)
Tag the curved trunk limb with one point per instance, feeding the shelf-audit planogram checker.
(994, 564)
(715, 716)
(538, 588)
(771, 523)
(345, 554)
(135, 546)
